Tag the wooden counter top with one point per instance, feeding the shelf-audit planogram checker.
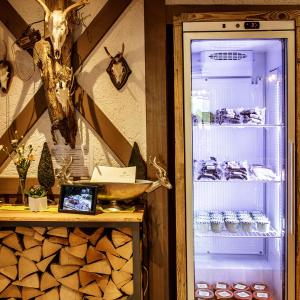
(10, 213)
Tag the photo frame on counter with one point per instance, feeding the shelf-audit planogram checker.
(78, 199)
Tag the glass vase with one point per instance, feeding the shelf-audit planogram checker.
(22, 182)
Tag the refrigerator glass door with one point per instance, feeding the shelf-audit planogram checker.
(239, 137)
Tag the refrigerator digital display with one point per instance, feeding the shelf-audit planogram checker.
(251, 25)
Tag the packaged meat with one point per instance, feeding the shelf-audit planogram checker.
(222, 286)
(203, 294)
(262, 295)
(240, 286)
(259, 287)
(223, 294)
(244, 295)
(203, 285)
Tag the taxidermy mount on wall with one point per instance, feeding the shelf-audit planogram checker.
(118, 69)
(53, 57)
(5, 72)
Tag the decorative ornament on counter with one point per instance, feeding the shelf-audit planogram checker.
(37, 198)
(118, 69)
(161, 175)
(117, 196)
(5, 71)
(22, 157)
(46, 175)
(136, 159)
(63, 173)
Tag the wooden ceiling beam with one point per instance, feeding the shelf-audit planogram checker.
(11, 19)
(90, 38)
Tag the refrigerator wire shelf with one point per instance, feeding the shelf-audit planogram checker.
(240, 234)
(215, 125)
(250, 179)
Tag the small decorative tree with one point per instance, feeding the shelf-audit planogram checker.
(46, 176)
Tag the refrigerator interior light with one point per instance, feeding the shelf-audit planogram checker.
(273, 76)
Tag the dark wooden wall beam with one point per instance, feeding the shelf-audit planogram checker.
(10, 185)
(11, 19)
(175, 10)
(24, 122)
(103, 126)
(97, 29)
(157, 139)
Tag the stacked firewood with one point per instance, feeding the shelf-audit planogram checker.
(61, 263)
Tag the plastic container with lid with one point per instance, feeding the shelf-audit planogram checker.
(222, 286)
(239, 286)
(259, 287)
(242, 295)
(203, 294)
(223, 294)
(203, 285)
(262, 295)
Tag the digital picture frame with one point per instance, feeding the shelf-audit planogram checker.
(79, 199)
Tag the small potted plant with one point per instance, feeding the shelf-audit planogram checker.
(37, 198)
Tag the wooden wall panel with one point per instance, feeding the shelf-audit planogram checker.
(97, 29)
(11, 19)
(181, 260)
(297, 160)
(157, 139)
(24, 122)
(176, 10)
(103, 126)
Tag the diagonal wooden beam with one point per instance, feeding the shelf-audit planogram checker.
(97, 29)
(24, 122)
(103, 126)
(11, 19)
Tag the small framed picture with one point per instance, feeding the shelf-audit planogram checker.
(78, 199)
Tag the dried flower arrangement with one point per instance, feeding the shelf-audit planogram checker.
(22, 157)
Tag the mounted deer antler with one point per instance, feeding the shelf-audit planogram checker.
(73, 6)
(57, 24)
(118, 68)
(162, 177)
(46, 9)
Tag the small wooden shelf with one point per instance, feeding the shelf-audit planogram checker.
(10, 213)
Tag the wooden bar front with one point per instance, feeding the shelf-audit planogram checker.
(102, 252)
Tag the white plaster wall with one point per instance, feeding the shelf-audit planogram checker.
(87, 14)
(230, 2)
(30, 11)
(25, 81)
(125, 108)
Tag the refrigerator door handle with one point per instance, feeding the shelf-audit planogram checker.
(291, 189)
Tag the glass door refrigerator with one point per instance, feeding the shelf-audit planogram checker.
(239, 103)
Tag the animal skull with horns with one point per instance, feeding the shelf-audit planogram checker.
(57, 24)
